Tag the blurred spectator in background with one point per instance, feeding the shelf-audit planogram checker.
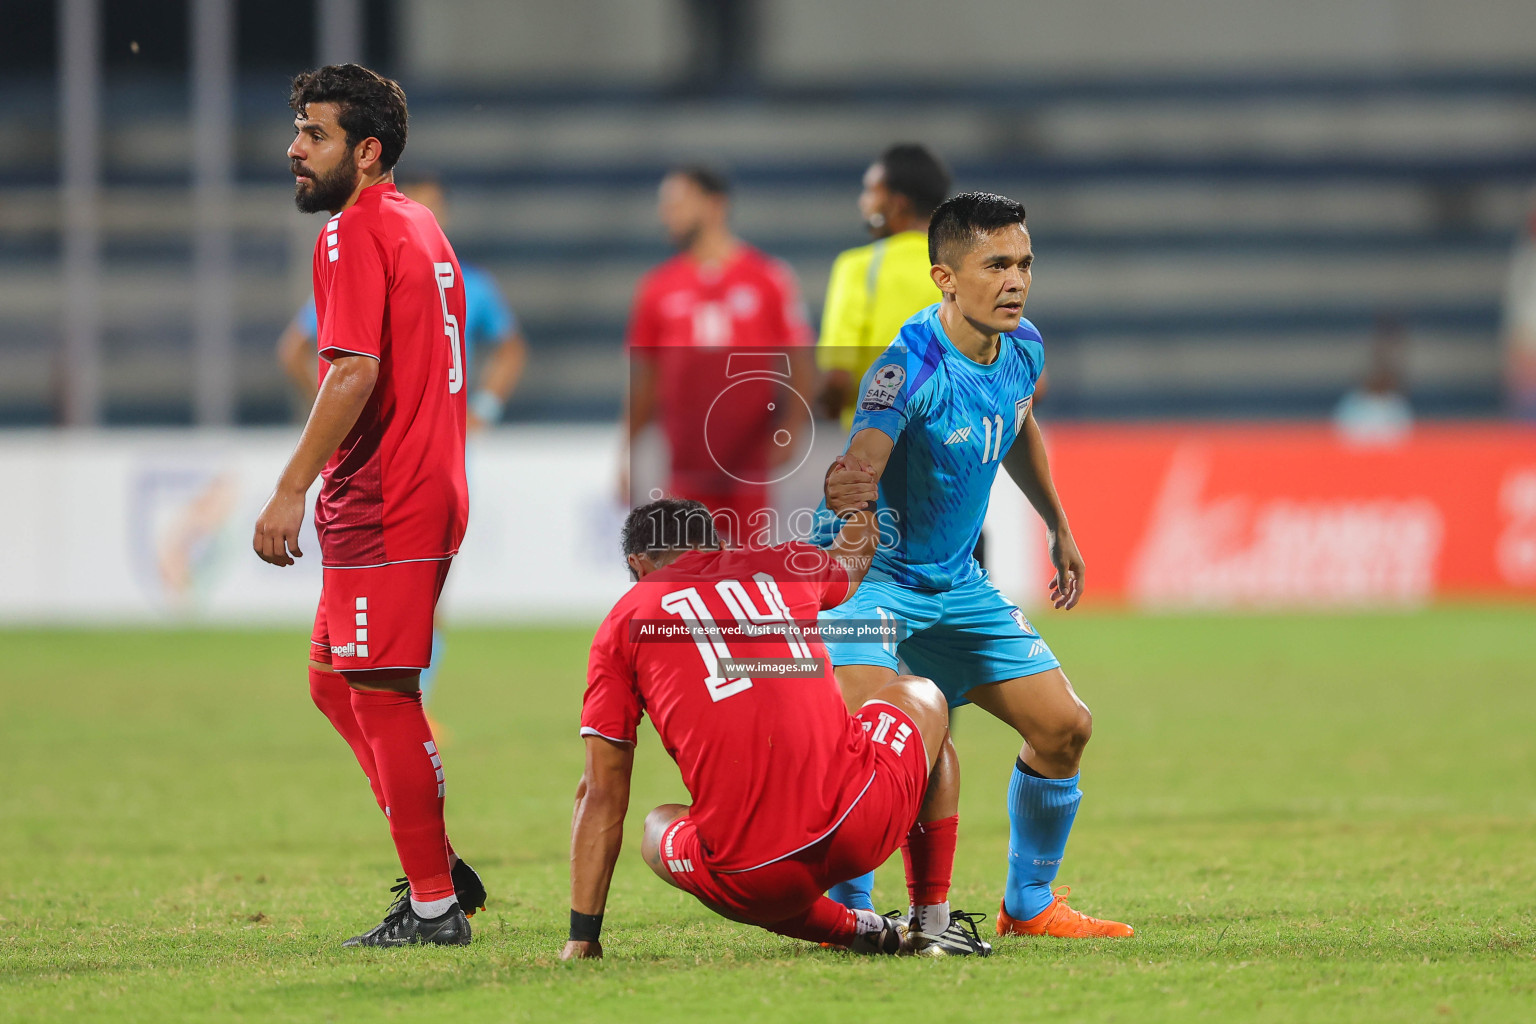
(1378, 411)
(1520, 324)
(719, 354)
(722, 45)
(875, 288)
(491, 330)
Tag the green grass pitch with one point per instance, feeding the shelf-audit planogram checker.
(1310, 818)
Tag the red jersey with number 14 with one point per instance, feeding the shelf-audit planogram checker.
(388, 286)
(772, 764)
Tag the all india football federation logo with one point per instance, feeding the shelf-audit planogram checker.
(179, 522)
(1020, 412)
(1023, 623)
(883, 388)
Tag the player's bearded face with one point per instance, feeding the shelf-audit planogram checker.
(314, 191)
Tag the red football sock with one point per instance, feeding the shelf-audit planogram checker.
(411, 774)
(333, 697)
(825, 921)
(929, 854)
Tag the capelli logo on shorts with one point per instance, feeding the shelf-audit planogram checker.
(344, 651)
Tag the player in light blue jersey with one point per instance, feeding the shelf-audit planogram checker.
(940, 410)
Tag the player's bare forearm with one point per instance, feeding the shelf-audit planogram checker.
(597, 825)
(641, 406)
(505, 367)
(872, 447)
(851, 492)
(342, 397)
(346, 390)
(855, 546)
(1026, 462)
(296, 355)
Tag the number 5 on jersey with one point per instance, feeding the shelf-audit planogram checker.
(444, 272)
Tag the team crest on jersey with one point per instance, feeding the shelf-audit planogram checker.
(1020, 411)
(883, 388)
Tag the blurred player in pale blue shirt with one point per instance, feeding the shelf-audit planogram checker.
(940, 410)
(494, 349)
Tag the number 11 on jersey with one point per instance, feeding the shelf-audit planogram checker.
(444, 273)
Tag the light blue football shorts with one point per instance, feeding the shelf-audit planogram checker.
(960, 638)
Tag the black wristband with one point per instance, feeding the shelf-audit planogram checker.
(585, 927)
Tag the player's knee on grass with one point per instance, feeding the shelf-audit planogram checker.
(656, 825)
(924, 703)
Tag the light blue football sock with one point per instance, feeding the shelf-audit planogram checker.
(1040, 814)
(855, 893)
(429, 674)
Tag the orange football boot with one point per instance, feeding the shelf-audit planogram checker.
(1063, 922)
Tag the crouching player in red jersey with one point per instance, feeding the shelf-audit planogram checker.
(789, 792)
(387, 433)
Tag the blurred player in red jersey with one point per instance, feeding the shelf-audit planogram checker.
(720, 353)
(789, 792)
(387, 434)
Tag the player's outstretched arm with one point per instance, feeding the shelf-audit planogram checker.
(873, 448)
(851, 491)
(597, 834)
(855, 547)
(502, 372)
(346, 390)
(1031, 471)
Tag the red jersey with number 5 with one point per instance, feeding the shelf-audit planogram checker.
(772, 764)
(388, 287)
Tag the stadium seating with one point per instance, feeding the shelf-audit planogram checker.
(1206, 247)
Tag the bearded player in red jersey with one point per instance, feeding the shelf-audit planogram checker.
(720, 355)
(789, 792)
(387, 434)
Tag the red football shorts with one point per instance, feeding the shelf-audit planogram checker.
(869, 833)
(379, 617)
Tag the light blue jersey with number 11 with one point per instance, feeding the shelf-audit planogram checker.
(952, 419)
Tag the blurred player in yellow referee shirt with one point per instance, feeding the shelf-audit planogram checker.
(875, 288)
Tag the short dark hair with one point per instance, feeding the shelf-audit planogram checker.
(915, 171)
(669, 524)
(369, 105)
(711, 180)
(959, 219)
